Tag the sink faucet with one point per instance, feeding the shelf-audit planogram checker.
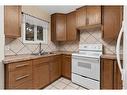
(40, 50)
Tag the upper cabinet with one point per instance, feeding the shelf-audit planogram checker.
(58, 27)
(63, 27)
(81, 17)
(112, 20)
(71, 32)
(12, 21)
(88, 17)
(93, 15)
(106, 18)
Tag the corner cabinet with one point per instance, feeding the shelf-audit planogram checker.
(110, 74)
(111, 21)
(58, 27)
(88, 17)
(12, 21)
(63, 27)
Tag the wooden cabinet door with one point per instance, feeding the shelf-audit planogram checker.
(81, 17)
(107, 74)
(12, 23)
(117, 77)
(58, 26)
(66, 66)
(55, 68)
(93, 15)
(112, 20)
(40, 75)
(71, 27)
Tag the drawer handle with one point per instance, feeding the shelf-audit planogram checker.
(22, 77)
(18, 66)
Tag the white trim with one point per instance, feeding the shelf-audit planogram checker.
(2, 43)
(45, 35)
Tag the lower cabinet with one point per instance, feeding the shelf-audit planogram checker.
(37, 73)
(66, 66)
(18, 75)
(117, 76)
(41, 72)
(110, 75)
(55, 68)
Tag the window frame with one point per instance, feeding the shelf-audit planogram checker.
(45, 35)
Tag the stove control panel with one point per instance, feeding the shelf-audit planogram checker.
(92, 47)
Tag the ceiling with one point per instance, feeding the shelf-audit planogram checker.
(59, 9)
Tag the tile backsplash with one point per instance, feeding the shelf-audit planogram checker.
(90, 37)
(15, 47)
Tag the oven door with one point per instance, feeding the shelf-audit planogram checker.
(87, 67)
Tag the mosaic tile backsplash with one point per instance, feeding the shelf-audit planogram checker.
(86, 37)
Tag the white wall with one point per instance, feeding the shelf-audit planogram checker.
(1, 46)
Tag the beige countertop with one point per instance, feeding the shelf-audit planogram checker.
(23, 57)
(110, 56)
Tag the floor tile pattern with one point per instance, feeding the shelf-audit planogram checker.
(63, 84)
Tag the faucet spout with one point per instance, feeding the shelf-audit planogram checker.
(40, 49)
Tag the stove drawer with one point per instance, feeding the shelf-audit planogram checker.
(85, 82)
(86, 67)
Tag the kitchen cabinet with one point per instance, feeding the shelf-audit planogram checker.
(110, 75)
(81, 17)
(37, 73)
(18, 75)
(12, 21)
(111, 21)
(66, 66)
(117, 76)
(41, 73)
(71, 31)
(55, 67)
(93, 15)
(88, 17)
(58, 27)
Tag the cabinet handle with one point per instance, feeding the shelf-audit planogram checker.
(22, 65)
(22, 77)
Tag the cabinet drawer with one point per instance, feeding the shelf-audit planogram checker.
(19, 65)
(20, 76)
(26, 85)
(41, 60)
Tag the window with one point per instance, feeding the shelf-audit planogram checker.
(34, 30)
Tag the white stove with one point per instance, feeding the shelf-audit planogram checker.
(86, 66)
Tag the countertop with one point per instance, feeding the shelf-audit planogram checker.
(110, 56)
(23, 57)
